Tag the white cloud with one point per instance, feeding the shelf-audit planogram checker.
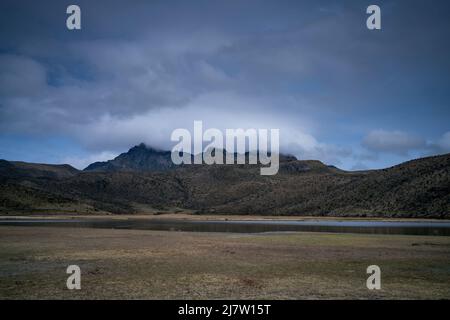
(82, 162)
(444, 142)
(221, 110)
(142, 99)
(394, 142)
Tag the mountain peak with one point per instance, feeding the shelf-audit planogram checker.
(139, 146)
(142, 147)
(139, 158)
(145, 158)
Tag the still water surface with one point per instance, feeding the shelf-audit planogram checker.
(347, 226)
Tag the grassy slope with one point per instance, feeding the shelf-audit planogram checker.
(418, 188)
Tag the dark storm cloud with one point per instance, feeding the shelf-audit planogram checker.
(136, 71)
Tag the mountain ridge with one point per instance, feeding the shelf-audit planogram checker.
(144, 158)
(417, 188)
(140, 157)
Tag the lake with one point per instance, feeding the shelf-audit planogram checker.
(433, 228)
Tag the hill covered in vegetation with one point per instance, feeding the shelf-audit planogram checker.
(144, 180)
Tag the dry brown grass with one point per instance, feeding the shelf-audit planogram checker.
(135, 264)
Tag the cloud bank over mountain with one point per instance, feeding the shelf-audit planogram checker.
(337, 92)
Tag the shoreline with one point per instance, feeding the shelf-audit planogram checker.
(213, 217)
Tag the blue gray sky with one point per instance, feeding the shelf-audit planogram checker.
(337, 91)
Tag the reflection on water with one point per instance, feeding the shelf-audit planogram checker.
(353, 226)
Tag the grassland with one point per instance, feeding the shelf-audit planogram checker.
(137, 264)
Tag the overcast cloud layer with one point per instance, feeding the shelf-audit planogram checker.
(137, 70)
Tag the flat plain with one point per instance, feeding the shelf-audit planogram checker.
(145, 264)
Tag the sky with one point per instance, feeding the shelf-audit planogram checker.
(339, 92)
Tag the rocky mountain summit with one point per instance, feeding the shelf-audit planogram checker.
(138, 158)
